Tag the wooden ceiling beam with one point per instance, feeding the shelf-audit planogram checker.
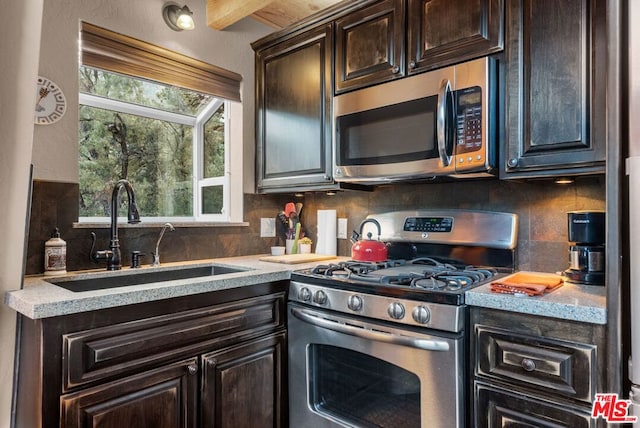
(223, 13)
(282, 13)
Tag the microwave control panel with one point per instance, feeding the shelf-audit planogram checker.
(468, 120)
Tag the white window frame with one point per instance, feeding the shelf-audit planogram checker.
(231, 181)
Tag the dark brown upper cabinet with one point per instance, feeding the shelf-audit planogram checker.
(555, 91)
(390, 39)
(293, 121)
(300, 68)
(444, 32)
(370, 45)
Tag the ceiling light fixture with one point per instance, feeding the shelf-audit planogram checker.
(178, 18)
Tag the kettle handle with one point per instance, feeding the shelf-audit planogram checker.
(374, 221)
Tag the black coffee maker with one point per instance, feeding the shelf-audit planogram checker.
(587, 253)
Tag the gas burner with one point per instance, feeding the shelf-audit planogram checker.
(329, 270)
(359, 267)
(430, 261)
(353, 268)
(443, 280)
(378, 277)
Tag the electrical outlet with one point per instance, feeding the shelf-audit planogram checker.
(267, 227)
(342, 228)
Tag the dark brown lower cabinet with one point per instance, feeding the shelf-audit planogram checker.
(535, 371)
(248, 373)
(499, 408)
(161, 398)
(209, 360)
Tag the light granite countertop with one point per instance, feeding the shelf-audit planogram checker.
(41, 299)
(586, 303)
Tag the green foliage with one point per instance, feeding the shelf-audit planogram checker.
(214, 145)
(143, 92)
(154, 155)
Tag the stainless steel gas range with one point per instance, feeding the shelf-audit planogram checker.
(383, 344)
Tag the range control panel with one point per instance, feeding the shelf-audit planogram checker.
(428, 224)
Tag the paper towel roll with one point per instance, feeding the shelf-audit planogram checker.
(327, 241)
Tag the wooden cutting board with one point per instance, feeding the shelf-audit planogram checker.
(296, 258)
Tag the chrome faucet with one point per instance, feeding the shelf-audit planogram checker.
(112, 255)
(156, 255)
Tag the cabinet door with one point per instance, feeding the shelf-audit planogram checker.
(293, 128)
(443, 32)
(555, 87)
(161, 398)
(243, 386)
(370, 45)
(497, 408)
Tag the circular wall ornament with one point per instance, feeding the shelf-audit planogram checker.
(50, 102)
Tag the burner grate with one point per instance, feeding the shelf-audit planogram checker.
(423, 273)
(353, 267)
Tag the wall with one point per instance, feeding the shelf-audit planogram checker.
(19, 44)
(541, 207)
(55, 147)
(56, 205)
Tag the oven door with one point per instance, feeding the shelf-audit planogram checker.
(345, 372)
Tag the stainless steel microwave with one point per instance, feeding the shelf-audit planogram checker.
(439, 123)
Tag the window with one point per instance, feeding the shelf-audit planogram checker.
(168, 133)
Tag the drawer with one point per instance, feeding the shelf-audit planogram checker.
(496, 408)
(551, 365)
(120, 349)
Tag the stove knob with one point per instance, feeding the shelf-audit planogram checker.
(421, 314)
(396, 311)
(304, 294)
(355, 303)
(320, 297)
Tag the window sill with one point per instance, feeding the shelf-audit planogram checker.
(106, 225)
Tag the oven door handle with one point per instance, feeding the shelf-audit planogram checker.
(378, 336)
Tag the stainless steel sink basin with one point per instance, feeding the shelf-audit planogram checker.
(137, 277)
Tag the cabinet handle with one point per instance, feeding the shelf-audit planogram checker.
(512, 163)
(395, 69)
(412, 64)
(192, 369)
(528, 364)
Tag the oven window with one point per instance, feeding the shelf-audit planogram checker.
(362, 390)
(397, 133)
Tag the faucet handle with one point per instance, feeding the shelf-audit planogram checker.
(156, 259)
(135, 259)
(98, 255)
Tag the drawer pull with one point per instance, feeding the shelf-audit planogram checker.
(528, 364)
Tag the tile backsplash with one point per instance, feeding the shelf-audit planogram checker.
(541, 207)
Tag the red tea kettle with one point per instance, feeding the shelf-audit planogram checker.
(368, 250)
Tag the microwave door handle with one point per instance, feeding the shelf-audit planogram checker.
(425, 344)
(442, 121)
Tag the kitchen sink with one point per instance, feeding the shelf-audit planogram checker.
(140, 276)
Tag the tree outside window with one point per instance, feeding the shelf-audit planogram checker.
(170, 143)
